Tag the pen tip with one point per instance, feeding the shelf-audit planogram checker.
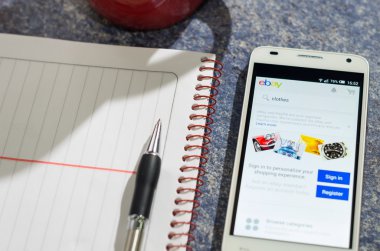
(158, 125)
(154, 143)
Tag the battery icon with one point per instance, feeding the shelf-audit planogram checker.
(342, 81)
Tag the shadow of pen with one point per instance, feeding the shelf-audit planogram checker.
(121, 233)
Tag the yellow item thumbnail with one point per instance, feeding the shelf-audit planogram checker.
(311, 144)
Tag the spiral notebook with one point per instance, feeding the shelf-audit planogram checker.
(75, 118)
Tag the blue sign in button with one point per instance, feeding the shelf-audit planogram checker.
(335, 193)
(334, 177)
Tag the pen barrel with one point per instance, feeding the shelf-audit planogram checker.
(147, 176)
(137, 225)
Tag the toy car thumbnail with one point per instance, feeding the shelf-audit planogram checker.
(289, 148)
(265, 142)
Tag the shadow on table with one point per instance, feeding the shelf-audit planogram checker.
(213, 13)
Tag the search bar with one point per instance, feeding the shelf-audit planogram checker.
(329, 102)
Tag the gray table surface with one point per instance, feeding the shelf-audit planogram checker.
(231, 29)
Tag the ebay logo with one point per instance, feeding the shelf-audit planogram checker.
(269, 83)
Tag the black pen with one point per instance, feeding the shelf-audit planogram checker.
(147, 176)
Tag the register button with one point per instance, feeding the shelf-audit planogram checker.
(335, 193)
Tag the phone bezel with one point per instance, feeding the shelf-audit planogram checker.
(308, 59)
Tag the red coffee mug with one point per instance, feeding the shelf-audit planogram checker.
(145, 14)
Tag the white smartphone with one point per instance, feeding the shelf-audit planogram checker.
(297, 178)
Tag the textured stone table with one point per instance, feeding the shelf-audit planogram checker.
(232, 28)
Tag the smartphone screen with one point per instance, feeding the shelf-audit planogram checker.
(299, 159)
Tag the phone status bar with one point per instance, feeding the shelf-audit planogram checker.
(322, 76)
(338, 82)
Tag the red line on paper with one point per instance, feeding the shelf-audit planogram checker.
(67, 165)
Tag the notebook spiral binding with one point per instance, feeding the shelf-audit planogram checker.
(205, 136)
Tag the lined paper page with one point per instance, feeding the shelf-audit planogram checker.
(93, 120)
(74, 120)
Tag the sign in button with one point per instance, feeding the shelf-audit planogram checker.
(335, 193)
(334, 177)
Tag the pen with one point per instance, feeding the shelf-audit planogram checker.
(147, 176)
